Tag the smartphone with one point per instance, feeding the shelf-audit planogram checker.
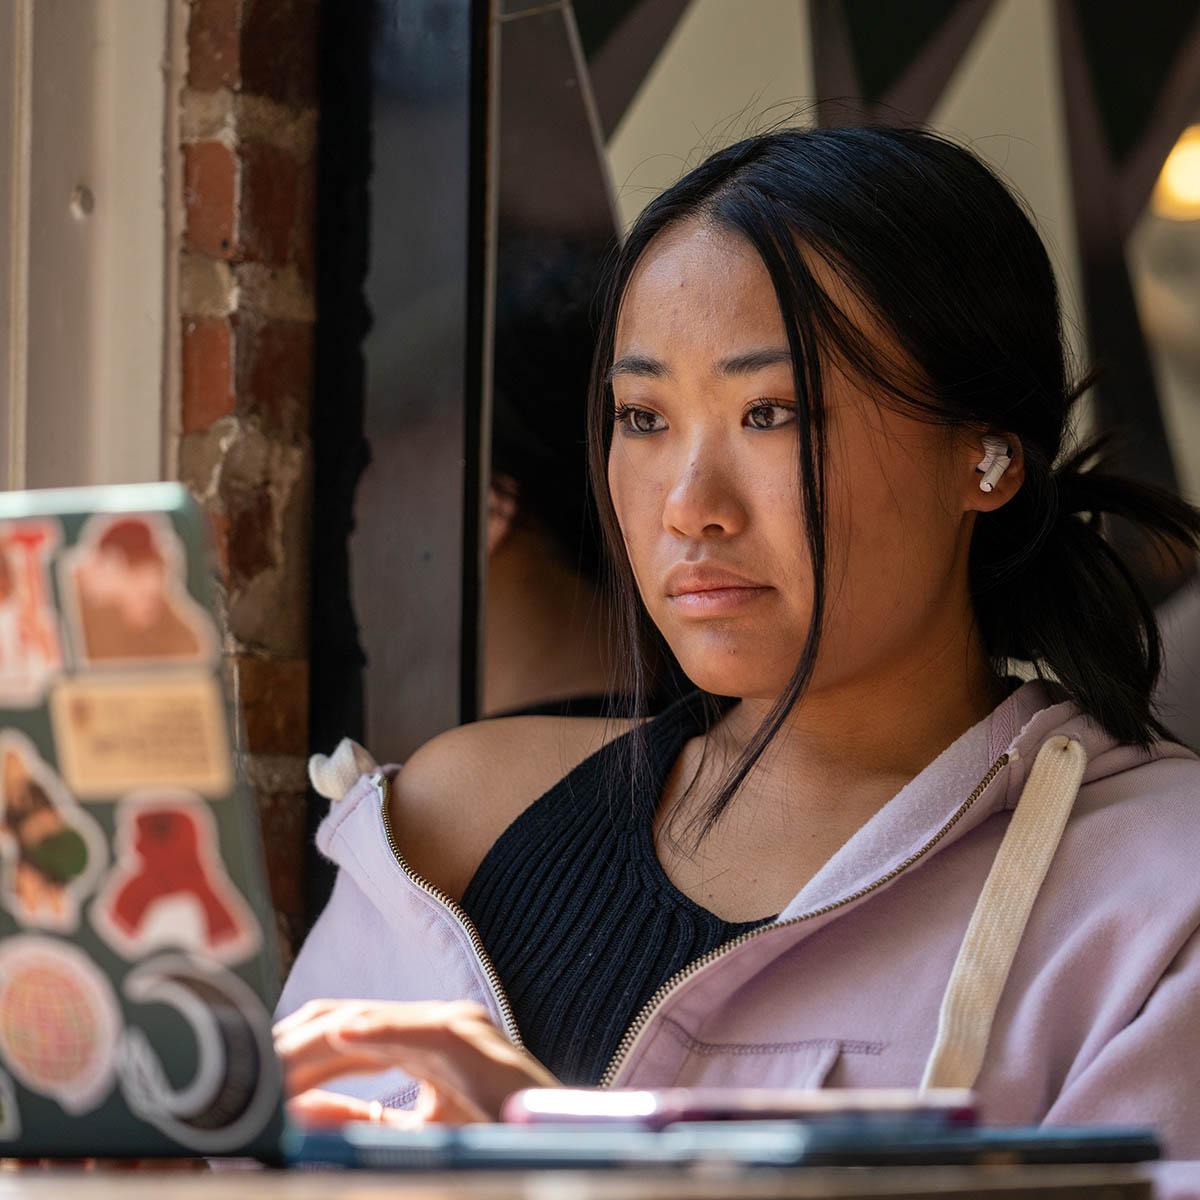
(659, 1107)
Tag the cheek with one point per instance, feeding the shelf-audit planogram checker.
(769, 486)
(897, 542)
(635, 501)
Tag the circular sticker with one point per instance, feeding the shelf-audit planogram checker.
(59, 1021)
(235, 1086)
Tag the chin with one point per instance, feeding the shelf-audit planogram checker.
(728, 673)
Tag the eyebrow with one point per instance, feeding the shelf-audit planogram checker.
(645, 367)
(638, 364)
(755, 360)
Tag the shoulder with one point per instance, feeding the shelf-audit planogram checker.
(455, 795)
(1165, 779)
(504, 760)
(1140, 810)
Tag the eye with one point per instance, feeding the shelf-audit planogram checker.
(764, 415)
(637, 420)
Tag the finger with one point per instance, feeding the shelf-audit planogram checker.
(308, 1011)
(466, 1058)
(462, 1038)
(308, 1058)
(315, 1034)
(310, 1023)
(459, 1028)
(317, 1108)
(444, 1106)
(320, 1109)
(301, 1077)
(324, 1060)
(453, 1047)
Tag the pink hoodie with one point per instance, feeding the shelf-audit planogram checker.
(1098, 1019)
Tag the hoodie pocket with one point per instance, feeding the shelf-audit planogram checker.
(801, 1064)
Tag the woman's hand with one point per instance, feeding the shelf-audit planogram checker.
(466, 1067)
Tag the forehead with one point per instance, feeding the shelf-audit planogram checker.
(698, 284)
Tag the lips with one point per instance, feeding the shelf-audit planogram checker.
(697, 578)
(709, 591)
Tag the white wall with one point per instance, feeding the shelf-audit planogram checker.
(1005, 102)
(83, 231)
(726, 71)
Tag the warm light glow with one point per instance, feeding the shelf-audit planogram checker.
(1177, 192)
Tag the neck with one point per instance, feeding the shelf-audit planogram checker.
(544, 628)
(849, 746)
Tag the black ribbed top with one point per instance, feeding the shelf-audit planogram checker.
(577, 913)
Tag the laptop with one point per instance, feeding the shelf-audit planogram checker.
(138, 965)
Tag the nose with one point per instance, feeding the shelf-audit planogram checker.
(703, 503)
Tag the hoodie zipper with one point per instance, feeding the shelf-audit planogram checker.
(380, 782)
(631, 1035)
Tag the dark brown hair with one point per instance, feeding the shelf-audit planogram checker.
(934, 244)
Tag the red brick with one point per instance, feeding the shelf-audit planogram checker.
(274, 374)
(279, 50)
(207, 383)
(283, 825)
(214, 36)
(270, 198)
(210, 198)
(250, 540)
(274, 697)
(219, 525)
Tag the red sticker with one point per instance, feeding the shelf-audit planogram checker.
(59, 1021)
(52, 850)
(169, 886)
(125, 594)
(30, 646)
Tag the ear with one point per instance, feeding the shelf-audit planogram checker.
(501, 511)
(1004, 486)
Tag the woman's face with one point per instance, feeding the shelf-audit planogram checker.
(704, 476)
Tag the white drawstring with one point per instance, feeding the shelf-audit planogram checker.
(333, 775)
(990, 944)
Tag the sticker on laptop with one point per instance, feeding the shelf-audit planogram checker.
(168, 886)
(51, 849)
(124, 588)
(30, 641)
(59, 1021)
(10, 1114)
(234, 1089)
(117, 733)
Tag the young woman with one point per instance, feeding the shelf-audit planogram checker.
(829, 442)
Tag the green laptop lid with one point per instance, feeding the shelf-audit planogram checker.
(138, 966)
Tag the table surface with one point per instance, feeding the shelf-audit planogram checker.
(249, 1183)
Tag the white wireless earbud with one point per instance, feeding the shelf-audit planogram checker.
(995, 462)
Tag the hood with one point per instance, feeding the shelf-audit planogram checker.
(992, 758)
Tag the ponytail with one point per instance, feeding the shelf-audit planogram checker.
(1050, 589)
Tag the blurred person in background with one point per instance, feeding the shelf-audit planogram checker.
(547, 622)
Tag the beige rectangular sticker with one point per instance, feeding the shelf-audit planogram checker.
(115, 733)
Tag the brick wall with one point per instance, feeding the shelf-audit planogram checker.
(247, 122)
